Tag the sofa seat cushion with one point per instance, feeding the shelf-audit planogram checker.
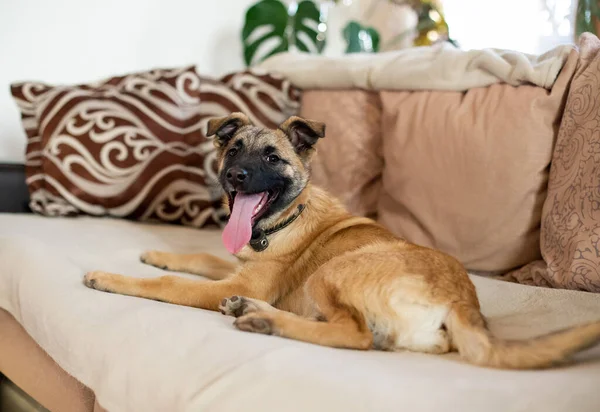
(142, 355)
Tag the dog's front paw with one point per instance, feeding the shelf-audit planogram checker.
(98, 280)
(155, 258)
(237, 306)
(256, 322)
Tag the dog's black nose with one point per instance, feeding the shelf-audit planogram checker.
(236, 175)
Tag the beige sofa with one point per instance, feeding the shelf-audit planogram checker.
(141, 355)
(388, 154)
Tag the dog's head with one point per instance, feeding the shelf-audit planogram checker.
(264, 169)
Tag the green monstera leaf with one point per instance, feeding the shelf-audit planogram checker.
(267, 19)
(360, 38)
(272, 28)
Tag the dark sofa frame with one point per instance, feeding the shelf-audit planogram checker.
(14, 196)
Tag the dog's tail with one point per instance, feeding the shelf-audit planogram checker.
(475, 343)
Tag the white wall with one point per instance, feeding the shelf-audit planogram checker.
(69, 41)
(529, 26)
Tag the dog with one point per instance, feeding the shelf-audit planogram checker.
(311, 271)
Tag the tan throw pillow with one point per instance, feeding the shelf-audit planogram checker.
(467, 173)
(134, 146)
(348, 162)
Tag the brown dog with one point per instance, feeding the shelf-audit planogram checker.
(311, 271)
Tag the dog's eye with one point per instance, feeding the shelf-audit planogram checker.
(273, 158)
(232, 152)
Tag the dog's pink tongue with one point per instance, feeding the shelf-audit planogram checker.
(239, 228)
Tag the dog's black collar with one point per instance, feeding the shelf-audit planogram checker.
(259, 241)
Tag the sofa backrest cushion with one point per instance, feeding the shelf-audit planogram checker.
(465, 173)
(348, 162)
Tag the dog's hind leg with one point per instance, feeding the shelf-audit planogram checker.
(203, 264)
(343, 332)
(341, 327)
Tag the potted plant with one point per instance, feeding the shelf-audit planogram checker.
(272, 26)
(587, 17)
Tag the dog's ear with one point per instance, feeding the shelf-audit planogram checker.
(225, 127)
(303, 133)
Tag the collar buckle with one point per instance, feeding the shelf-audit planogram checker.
(259, 241)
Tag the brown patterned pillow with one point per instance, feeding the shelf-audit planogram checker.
(570, 232)
(134, 146)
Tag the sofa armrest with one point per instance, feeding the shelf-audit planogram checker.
(14, 196)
